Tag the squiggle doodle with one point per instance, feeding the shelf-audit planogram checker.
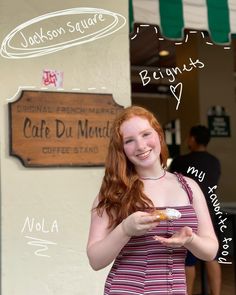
(33, 226)
(40, 243)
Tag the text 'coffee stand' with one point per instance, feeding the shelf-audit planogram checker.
(61, 128)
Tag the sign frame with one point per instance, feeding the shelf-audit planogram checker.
(61, 129)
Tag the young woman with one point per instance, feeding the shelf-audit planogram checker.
(149, 255)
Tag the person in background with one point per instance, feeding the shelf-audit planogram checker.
(205, 168)
(148, 254)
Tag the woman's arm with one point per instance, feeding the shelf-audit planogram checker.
(105, 244)
(204, 244)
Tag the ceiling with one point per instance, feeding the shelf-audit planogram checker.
(145, 45)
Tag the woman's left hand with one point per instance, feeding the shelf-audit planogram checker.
(179, 239)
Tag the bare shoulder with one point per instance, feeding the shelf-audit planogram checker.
(197, 192)
(170, 176)
(191, 182)
(174, 177)
(99, 215)
(95, 202)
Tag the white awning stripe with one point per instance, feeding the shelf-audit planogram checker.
(195, 14)
(232, 15)
(146, 12)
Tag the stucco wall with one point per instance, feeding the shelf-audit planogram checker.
(57, 200)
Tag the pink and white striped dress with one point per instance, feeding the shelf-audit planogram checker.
(146, 267)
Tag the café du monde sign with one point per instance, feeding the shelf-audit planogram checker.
(60, 128)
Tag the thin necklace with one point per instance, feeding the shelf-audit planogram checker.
(153, 178)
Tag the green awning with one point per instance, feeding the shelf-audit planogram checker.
(218, 17)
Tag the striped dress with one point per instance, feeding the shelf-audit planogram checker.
(145, 266)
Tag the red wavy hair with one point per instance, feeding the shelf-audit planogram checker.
(121, 192)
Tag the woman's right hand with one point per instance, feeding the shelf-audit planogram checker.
(138, 223)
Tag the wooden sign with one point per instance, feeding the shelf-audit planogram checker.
(61, 129)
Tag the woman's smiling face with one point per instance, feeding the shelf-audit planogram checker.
(141, 142)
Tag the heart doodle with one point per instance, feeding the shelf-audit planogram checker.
(177, 93)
